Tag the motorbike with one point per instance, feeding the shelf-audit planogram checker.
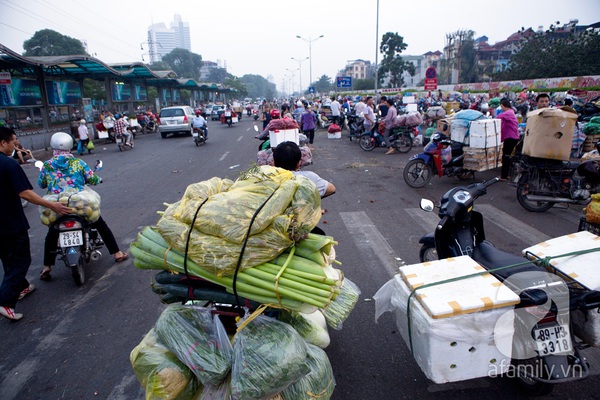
(122, 141)
(78, 243)
(544, 349)
(355, 126)
(255, 114)
(542, 183)
(401, 138)
(421, 167)
(229, 115)
(198, 136)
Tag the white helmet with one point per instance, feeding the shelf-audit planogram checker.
(82, 121)
(61, 141)
(484, 107)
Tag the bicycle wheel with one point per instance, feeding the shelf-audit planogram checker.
(417, 173)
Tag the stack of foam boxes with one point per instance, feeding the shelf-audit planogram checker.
(484, 151)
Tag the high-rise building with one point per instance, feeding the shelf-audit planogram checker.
(163, 40)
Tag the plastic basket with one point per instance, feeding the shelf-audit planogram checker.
(588, 226)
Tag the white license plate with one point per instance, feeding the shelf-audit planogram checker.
(195, 134)
(70, 238)
(553, 340)
(227, 114)
(171, 122)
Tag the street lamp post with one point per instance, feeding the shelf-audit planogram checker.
(376, 48)
(310, 41)
(292, 71)
(300, 61)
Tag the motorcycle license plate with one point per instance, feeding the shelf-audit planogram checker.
(70, 238)
(195, 134)
(227, 114)
(553, 340)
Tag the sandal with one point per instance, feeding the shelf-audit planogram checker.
(124, 257)
(45, 275)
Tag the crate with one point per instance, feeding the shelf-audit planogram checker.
(584, 225)
(477, 159)
(590, 141)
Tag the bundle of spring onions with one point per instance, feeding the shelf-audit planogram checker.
(300, 279)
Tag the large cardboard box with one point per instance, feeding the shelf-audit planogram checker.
(482, 159)
(485, 133)
(549, 134)
(444, 122)
(458, 330)
(284, 135)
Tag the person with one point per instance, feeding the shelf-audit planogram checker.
(273, 114)
(287, 155)
(568, 106)
(369, 114)
(84, 138)
(336, 108)
(200, 123)
(359, 107)
(542, 100)
(308, 121)
(61, 172)
(388, 121)
(15, 251)
(121, 129)
(109, 123)
(509, 135)
(264, 110)
(346, 105)
(21, 153)
(383, 108)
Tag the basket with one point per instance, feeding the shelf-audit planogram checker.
(590, 141)
(584, 225)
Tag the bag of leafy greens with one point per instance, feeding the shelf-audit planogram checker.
(318, 383)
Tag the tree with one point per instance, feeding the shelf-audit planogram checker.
(159, 66)
(184, 63)
(51, 43)
(392, 66)
(236, 83)
(363, 84)
(323, 85)
(93, 89)
(553, 54)
(468, 59)
(218, 75)
(258, 86)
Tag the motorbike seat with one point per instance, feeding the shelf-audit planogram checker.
(522, 276)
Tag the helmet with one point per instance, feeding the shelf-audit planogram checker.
(299, 103)
(117, 116)
(82, 121)
(358, 98)
(61, 141)
(198, 112)
(438, 137)
(484, 107)
(275, 113)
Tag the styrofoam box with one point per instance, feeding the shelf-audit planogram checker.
(455, 335)
(412, 107)
(102, 134)
(458, 131)
(409, 100)
(485, 133)
(284, 135)
(336, 135)
(582, 268)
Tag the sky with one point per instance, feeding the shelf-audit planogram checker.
(259, 37)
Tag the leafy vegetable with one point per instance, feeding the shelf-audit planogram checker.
(311, 327)
(339, 309)
(319, 383)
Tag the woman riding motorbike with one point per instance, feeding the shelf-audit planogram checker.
(62, 172)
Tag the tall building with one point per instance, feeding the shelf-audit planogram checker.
(163, 40)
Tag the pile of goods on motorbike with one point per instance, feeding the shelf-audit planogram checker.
(259, 290)
(85, 203)
(265, 157)
(592, 132)
(480, 138)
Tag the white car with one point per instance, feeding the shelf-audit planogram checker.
(175, 119)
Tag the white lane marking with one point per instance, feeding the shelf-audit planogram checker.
(223, 156)
(369, 240)
(513, 226)
(428, 220)
(240, 138)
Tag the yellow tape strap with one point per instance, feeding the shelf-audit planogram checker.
(256, 313)
(322, 393)
(165, 257)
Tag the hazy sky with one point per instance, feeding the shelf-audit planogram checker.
(259, 37)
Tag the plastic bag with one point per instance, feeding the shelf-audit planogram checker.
(160, 372)
(399, 121)
(318, 383)
(90, 145)
(85, 203)
(339, 309)
(334, 128)
(198, 339)
(311, 327)
(592, 211)
(414, 118)
(269, 355)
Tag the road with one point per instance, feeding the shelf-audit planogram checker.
(74, 343)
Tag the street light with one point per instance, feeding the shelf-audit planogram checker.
(310, 41)
(300, 61)
(293, 71)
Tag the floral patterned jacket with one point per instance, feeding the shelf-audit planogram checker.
(64, 172)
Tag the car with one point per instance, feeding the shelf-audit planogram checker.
(216, 112)
(176, 119)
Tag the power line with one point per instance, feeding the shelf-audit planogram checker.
(17, 29)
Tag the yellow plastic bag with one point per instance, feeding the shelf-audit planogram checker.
(592, 211)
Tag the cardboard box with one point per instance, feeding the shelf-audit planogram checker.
(444, 122)
(284, 135)
(485, 133)
(549, 134)
(459, 330)
(482, 159)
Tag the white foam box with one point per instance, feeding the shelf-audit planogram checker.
(458, 131)
(485, 133)
(409, 99)
(582, 268)
(455, 335)
(478, 159)
(412, 107)
(284, 135)
(102, 134)
(335, 135)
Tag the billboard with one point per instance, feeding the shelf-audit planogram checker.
(20, 92)
(121, 92)
(140, 93)
(63, 92)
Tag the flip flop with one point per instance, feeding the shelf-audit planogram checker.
(124, 257)
(45, 275)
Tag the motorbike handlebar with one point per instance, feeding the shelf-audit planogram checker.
(442, 223)
(490, 182)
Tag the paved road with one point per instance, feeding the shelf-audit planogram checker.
(74, 343)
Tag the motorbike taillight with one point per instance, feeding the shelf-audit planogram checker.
(69, 224)
(542, 314)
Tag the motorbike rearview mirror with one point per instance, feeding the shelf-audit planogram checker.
(98, 165)
(39, 164)
(426, 205)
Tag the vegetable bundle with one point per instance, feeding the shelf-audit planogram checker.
(85, 203)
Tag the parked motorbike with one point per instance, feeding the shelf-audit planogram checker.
(421, 167)
(198, 136)
(78, 243)
(544, 350)
(542, 183)
(355, 125)
(401, 139)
